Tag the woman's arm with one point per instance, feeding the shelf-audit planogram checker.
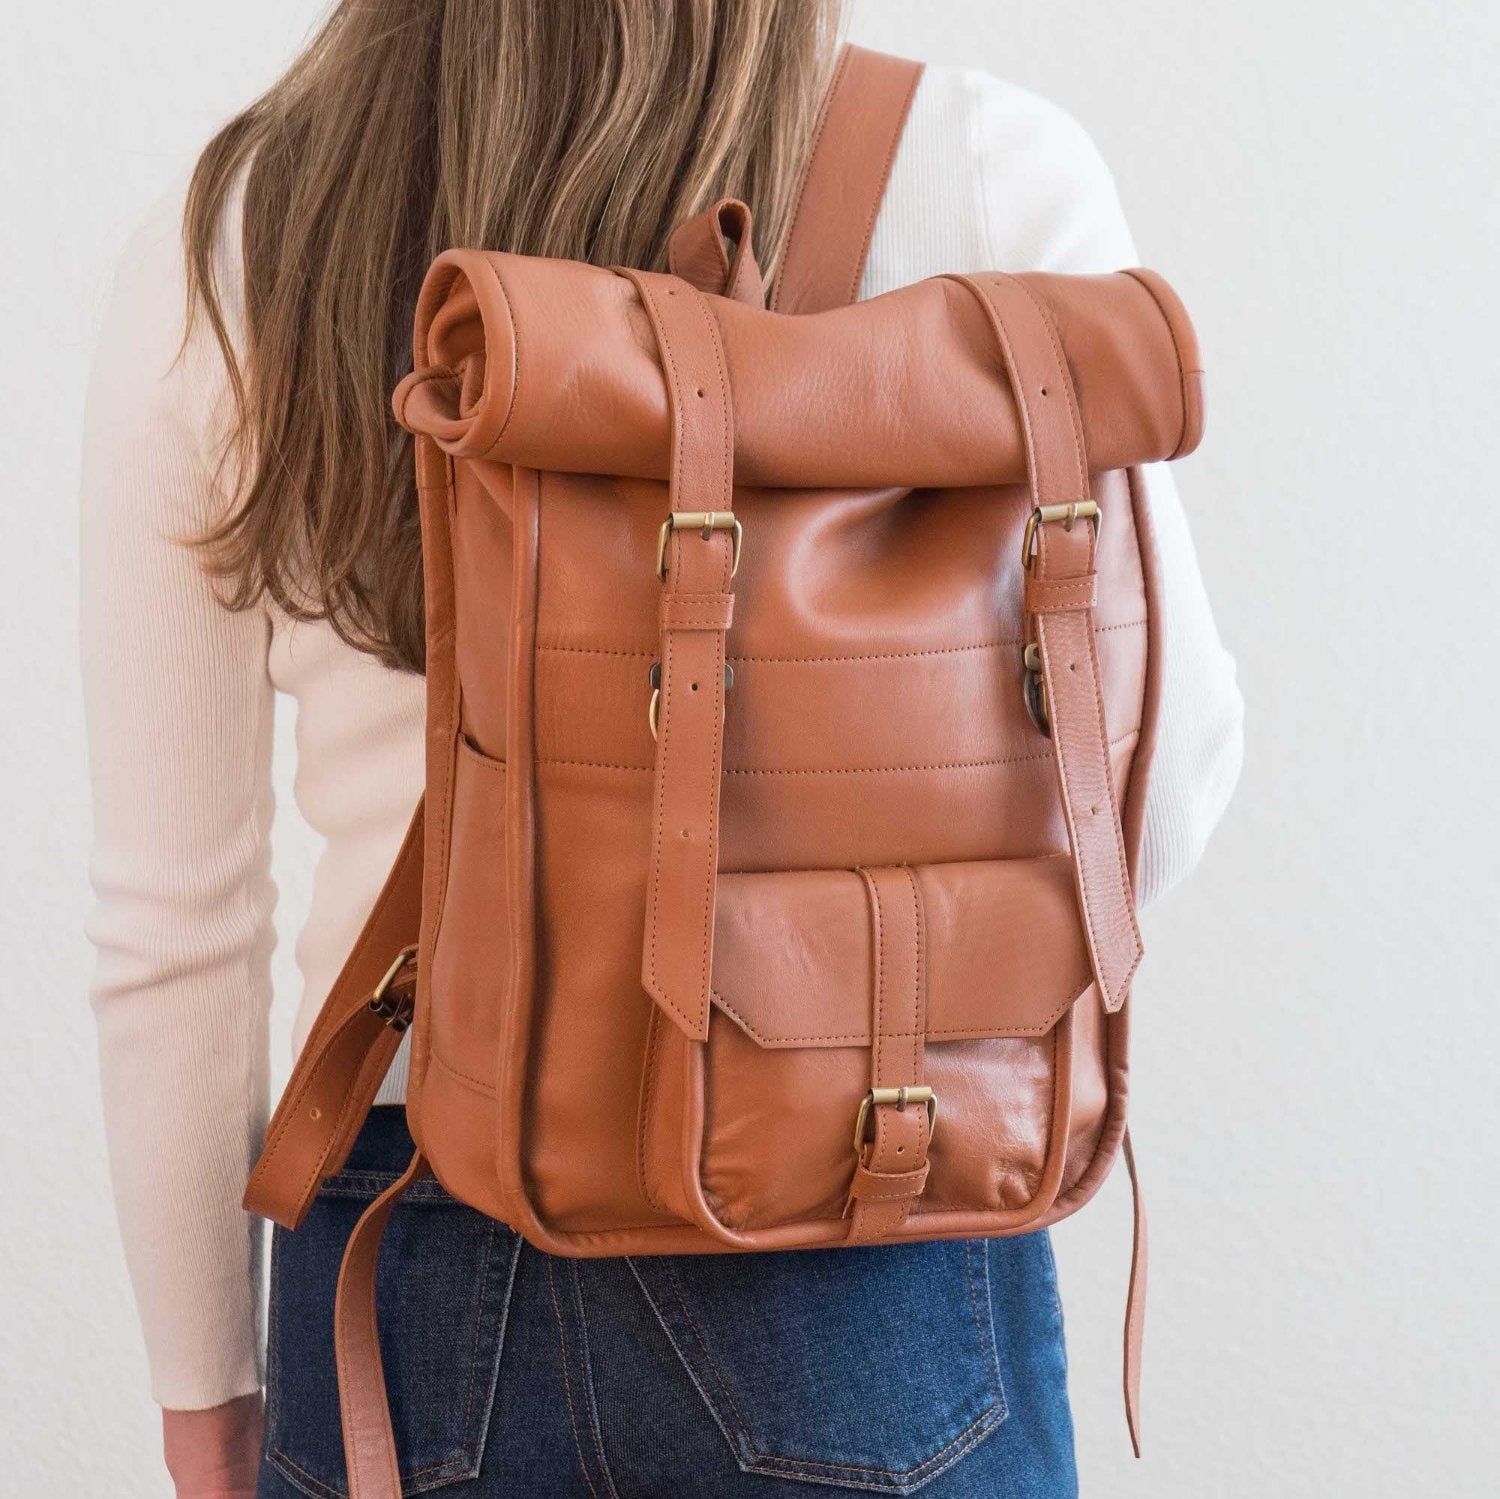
(179, 711)
(1050, 204)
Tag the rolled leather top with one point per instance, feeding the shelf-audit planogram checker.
(552, 365)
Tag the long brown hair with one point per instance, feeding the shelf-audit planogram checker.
(576, 128)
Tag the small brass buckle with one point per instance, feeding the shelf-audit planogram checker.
(1044, 515)
(1035, 689)
(900, 1097)
(706, 522)
(396, 1012)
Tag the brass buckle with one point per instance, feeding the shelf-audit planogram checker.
(1043, 515)
(1034, 690)
(395, 1012)
(706, 522)
(900, 1097)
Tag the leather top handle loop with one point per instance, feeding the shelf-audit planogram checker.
(715, 251)
(864, 113)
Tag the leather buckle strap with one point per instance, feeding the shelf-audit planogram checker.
(348, 1052)
(698, 551)
(369, 1440)
(1064, 692)
(893, 1129)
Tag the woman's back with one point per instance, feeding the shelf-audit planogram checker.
(181, 694)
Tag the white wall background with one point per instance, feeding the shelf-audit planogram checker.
(1317, 1101)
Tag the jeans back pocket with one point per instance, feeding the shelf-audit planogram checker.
(872, 1369)
(442, 1296)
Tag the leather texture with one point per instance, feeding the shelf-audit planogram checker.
(715, 251)
(709, 860)
(863, 115)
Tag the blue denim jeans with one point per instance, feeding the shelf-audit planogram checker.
(931, 1367)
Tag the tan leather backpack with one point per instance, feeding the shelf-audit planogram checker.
(792, 683)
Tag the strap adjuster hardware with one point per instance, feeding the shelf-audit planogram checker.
(395, 1010)
(653, 713)
(1035, 689)
(1043, 515)
(705, 522)
(899, 1097)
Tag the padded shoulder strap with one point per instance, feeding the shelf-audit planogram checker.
(858, 131)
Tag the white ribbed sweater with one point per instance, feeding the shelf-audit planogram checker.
(179, 696)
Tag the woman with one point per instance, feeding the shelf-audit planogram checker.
(250, 527)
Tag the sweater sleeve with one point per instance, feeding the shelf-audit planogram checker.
(1050, 203)
(179, 713)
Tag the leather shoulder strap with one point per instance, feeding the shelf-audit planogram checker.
(855, 143)
(349, 1050)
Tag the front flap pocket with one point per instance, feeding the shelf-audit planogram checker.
(963, 973)
(1003, 952)
(443, 1293)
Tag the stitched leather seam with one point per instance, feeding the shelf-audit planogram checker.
(697, 1021)
(715, 342)
(963, 1032)
(648, 1093)
(812, 156)
(593, 764)
(1183, 372)
(346, 1103)
(862, 1225)
(477, 756)
(1000, 642)
(919, 1017)
(1060, 369)
(515, 358)
(891, 1178)
(446, 788)
(668, 718)
(897, 1195)
(488, 1089)
(1044, 627)
(885, 176)
(1008, 358)
(265, 1167)
(834, 770)
(1114, 818)
(860, 770)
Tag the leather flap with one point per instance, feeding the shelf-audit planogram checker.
(552, 365)
(1002, 952)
